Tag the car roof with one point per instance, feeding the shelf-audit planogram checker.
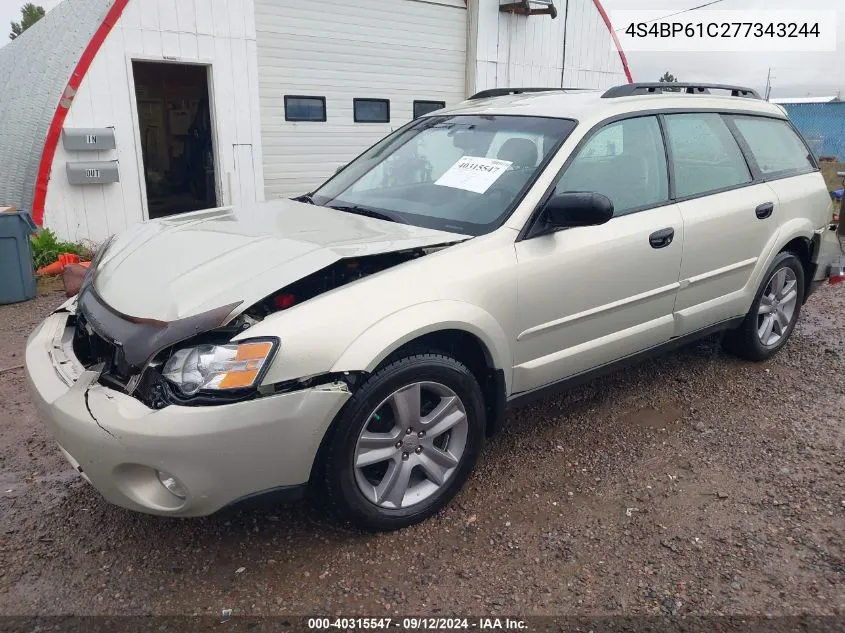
(589, 106)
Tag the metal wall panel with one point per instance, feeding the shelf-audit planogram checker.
(592, 60)
(216, 33)
(399, 50)
(34, 70)
(574, 50)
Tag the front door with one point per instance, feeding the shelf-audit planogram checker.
(590, 295)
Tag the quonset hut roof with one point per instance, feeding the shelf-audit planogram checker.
(35, 71)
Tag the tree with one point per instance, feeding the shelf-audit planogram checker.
(30, 14)
(669, 78)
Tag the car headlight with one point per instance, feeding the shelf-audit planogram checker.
(219, 367)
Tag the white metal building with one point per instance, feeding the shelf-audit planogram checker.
(116, 111)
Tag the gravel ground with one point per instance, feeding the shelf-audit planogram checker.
(693, 484)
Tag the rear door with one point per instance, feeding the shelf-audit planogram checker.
(590, 295)
(785, 162)
(728, 218)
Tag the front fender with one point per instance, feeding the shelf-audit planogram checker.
(393, 331)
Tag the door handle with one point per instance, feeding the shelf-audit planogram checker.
(661, 238)
(765, 210)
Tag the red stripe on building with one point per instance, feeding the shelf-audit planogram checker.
(66, 100)
(622, 56)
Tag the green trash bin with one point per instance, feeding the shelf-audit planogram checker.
(17, 274)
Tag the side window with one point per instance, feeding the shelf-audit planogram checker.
(305, 108)
(421, 108)
(705, 155)
(607, 142)
(371, 110)
(774, 144)
(626, 161)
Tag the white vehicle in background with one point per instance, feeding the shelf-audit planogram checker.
(361, 341)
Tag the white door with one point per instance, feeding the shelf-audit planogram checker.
(332, 52)
(243, 187)
(594, 294)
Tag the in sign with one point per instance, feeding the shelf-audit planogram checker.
(88, 139)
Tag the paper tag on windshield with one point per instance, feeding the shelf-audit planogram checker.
(473, 173)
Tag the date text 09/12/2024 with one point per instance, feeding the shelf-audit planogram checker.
(417, 624)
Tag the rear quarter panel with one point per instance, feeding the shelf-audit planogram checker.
(803, 206)
(804, 197)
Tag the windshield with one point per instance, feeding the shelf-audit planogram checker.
(462, 174)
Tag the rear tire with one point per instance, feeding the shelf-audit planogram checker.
(774, 311)
(404, 444)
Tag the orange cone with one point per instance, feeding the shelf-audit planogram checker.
(51, 270)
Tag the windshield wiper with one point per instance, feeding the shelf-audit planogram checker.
(370, 213)
(305, 197)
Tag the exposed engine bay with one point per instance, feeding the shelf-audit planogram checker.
(339, 274)
(143, 379)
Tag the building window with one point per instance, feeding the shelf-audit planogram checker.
(421, 108)
(299, 108)
(371, 110)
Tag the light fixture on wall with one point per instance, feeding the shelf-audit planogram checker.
(530, 7)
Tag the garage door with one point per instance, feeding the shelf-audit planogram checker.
(325, 55)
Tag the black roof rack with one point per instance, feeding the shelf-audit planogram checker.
(501, 92)
(629, 90)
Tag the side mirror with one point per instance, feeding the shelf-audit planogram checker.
(571, 209)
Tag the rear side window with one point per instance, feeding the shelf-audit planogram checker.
(705, 155)
(625, 161)
(775, 146)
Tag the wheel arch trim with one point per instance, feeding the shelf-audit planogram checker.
(384, 337)
(791, 230)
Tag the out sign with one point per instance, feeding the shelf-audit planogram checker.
(92, 173)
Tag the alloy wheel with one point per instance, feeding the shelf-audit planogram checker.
(777, 306)
(411, 445)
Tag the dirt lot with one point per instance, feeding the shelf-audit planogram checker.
(692, 484)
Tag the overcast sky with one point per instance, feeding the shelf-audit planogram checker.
(795, 74)
(10, 11)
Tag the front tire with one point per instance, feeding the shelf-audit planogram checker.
(774, 312)
(405, 443)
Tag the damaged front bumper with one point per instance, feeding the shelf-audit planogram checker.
(219, 455)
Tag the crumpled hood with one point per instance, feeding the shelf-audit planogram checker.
(177, 267)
